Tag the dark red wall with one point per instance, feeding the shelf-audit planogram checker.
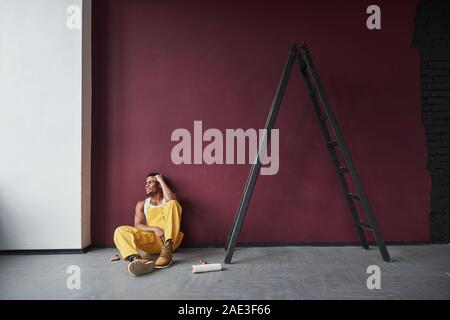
(160, 65)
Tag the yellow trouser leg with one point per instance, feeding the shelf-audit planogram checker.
(172, 220)
(130, 240)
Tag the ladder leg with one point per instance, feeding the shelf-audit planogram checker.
(332, 152)
(305, 55)
(242, 211)
(255, 169)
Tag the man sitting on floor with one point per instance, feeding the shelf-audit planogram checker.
(156, 228)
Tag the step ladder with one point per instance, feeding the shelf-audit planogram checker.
(335, 143)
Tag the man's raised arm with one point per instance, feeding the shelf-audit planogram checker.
(167, 193)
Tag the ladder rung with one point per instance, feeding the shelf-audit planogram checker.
(352, 196)
(332, 143)
(363, 224)
(343, 169)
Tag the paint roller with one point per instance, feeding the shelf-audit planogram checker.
(198, 268)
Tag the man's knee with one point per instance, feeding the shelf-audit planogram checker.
(120, 232)
(173, 203)
(173, 207)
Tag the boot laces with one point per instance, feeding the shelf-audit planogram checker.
(166, 250)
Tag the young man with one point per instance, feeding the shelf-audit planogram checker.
(156, 228)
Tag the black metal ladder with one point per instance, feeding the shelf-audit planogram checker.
(334, 140)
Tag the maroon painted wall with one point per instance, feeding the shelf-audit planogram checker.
(160, 65)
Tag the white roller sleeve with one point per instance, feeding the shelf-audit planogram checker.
(206, 267)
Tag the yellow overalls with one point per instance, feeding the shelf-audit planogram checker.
(130, 240)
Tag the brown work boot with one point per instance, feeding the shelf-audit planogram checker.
(165, 258)
(140, 266)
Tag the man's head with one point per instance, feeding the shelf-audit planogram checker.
(151, 185)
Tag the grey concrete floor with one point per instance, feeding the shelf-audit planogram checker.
(417, 272)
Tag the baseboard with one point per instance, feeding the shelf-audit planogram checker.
(287, 244)
(213, 245)
(45, 251)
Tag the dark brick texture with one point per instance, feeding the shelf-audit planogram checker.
(432, 38)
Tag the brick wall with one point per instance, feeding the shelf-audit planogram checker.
(432, 38)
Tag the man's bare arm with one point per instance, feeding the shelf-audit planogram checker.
(167, 193)
(139, 217)
(140, 222)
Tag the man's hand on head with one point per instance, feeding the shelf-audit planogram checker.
(167, 193)
(159, 178)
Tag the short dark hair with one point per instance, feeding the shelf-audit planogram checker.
(152, 174)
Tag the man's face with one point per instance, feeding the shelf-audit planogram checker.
(151, 185)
